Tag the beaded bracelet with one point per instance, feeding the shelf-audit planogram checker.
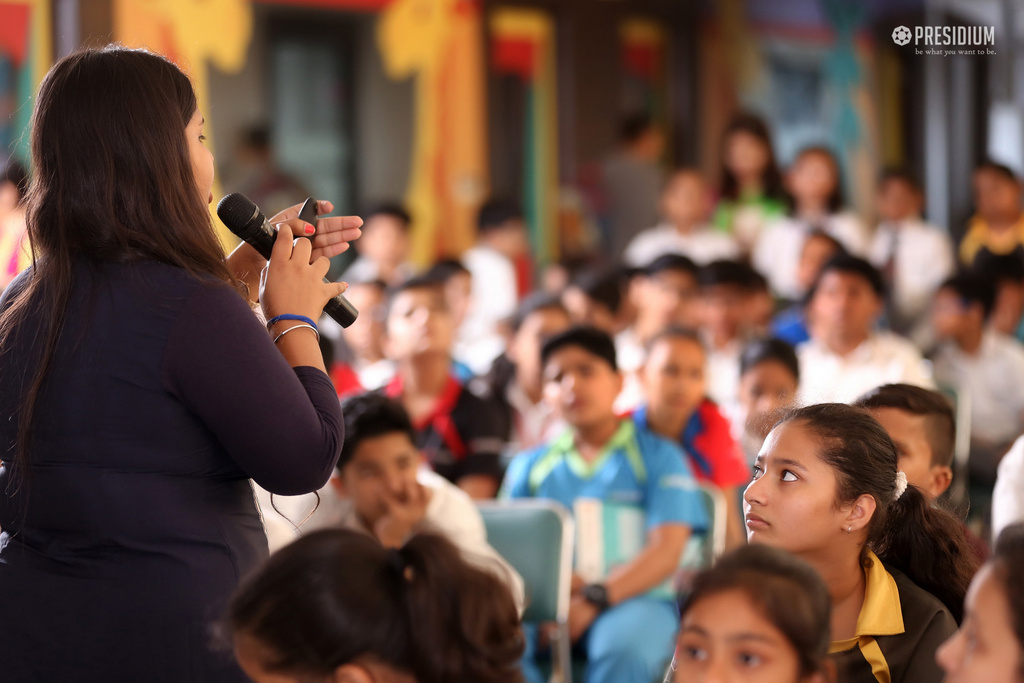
(292, 316)
(295, 327)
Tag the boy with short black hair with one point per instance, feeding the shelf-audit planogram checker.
(626, 620)
(386, 491)
(459, 432)
(987, 366)
(922, 425)
(846, 354)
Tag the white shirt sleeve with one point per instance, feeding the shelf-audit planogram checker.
(1008, 495)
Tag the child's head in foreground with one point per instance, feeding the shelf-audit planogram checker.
(335, 606)
(759, 615)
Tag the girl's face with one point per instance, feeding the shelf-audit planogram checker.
(812, 179)
(725, 638)
(985, 649)
(790, 504)
(202, 158)
(746, 155)
(673, 376)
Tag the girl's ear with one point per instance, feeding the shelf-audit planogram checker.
(861, 512)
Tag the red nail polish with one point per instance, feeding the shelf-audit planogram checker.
(310, 229)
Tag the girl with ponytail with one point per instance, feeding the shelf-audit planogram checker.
(336, 606)
(826, 488)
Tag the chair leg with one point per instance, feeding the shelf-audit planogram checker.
(561, 669)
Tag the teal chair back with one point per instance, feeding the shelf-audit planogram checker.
(535, 536)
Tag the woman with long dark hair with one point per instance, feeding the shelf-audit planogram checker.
(138, 391)
(826, 488)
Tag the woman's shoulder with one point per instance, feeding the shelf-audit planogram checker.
(915, 602)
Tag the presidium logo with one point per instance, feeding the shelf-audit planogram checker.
(947, 40)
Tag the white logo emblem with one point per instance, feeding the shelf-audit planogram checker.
(901, 35)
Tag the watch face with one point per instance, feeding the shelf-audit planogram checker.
(596, 594)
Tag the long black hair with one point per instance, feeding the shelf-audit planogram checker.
(112, 181)
(752, 125)
(907, 532)
(337, 596)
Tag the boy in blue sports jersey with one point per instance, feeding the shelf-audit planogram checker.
(625, 624)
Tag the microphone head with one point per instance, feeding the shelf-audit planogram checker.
(240, 215)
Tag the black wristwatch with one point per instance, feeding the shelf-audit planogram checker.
(597, 595)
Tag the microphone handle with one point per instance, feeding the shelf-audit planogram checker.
(339, 308)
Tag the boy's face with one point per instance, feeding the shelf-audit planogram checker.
(365, 335)
(685, 199)
(524, 348)
(382, 467)
(666, 298)
(766, 390)
(996, 197)
(585, 311)
(724, 308)
(910, 434)
(845, 306)
(582, 387)
(950, 317)
(510, 239)
(898, 200)
(419, 323)
(673, 376)
(385, 240)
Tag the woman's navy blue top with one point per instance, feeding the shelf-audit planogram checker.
(136, 520)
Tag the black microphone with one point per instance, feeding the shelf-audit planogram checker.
(245, 219)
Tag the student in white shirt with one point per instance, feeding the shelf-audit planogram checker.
(846, 356)
(913, 256)
(1008, 495)
(986, 366)
(684, 207)
(815, 186)
(501, 241)
(386, 491)
(725, 290)
(383, 248)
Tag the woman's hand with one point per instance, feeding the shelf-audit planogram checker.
(291, 283)
(332, 234)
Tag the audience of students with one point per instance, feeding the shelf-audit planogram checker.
(913, 256)
(669, 381)
(625, 620)
(827, 487)
(815, 187)
(846, 354)
(980, 364)
(459, 432)
(383, 248)
(762, 615)
(684, 230)
(674, 381)
(336, 605)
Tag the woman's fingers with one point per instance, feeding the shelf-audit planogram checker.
(335, 289)
(282, 250)
(321, 266)
(302, 249)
